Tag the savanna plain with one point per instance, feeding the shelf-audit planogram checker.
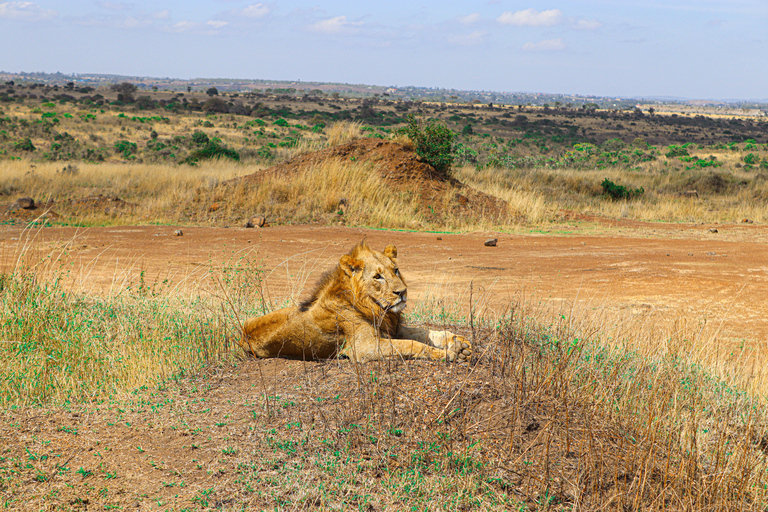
(619, 322)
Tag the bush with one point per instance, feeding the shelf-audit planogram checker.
(433, 143)
(617, 192)
(125, 147)
(200, 138)
(212, 149)
(674, 151)
(25, 145)
(751, 159)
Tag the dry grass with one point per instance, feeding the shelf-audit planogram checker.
(541, 194)
(557, 411)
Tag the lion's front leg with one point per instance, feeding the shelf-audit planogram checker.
(373, 349)
(440, 339)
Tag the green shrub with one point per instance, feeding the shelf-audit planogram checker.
(212, 149)
(617, 192)
(433, 143)
(751, 159)
(281, 122)
(200, 138)
(674, 151)
(125, 147)
(25, 145)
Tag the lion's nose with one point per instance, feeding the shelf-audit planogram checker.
(403, 294)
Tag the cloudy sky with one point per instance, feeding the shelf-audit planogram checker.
(686, 48)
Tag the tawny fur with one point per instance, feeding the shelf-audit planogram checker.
(355, 311)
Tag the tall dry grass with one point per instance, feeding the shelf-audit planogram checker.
(58, 343)
(540, 194)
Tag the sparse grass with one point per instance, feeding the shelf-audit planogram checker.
(59, 344)
(556, 412)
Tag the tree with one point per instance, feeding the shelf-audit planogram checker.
(215, 105)
(212, 91)
(433, 143)
(125, 88)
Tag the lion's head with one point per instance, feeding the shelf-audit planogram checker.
(376, 284)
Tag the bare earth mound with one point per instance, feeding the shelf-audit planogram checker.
(402, 169)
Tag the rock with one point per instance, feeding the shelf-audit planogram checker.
(491, 242)
(26, 202)
(178, 232)
(439, 238)
(713, 230)
(256, 222)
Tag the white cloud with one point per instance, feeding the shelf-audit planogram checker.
(184, 26)
(255, 11)
(470, 18)
(336, 25)
(584, 24)
(217, 24)
(25, 11)
(475, 37)
(162, 15)
(531, 18)
(548, 45)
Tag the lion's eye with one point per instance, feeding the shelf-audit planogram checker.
(397, 271)
(378, 276)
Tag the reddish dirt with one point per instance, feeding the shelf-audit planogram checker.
(633, 269)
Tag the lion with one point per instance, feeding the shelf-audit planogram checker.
(355, 312)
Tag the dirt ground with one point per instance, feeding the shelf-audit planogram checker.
(633, 269)
(214, 441)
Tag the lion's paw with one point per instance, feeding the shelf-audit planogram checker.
(459, 347)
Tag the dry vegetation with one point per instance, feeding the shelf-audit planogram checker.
(105, 407)
(546, 163)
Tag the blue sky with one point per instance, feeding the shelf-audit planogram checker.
(686, 48)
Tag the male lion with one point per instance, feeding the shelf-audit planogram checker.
(355, 312)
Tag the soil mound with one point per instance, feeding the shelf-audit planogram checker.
(26, 209)
(402, 169)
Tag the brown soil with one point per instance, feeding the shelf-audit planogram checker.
(203, 442)
(638, 268)
(401, 169)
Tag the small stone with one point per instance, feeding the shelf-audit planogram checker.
(26, 203)
(491, 242)
(256, 222)
(439, 238)
(178, 232)
(713, 230)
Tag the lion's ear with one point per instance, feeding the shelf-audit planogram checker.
(350, 264)
(390, 252)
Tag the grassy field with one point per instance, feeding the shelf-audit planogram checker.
(171, 150)
(104, 406)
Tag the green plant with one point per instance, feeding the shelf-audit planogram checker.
(127, 148)
(433, 142)
(200, 138)
(675, 151)
(617, 192)
(25, 145)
